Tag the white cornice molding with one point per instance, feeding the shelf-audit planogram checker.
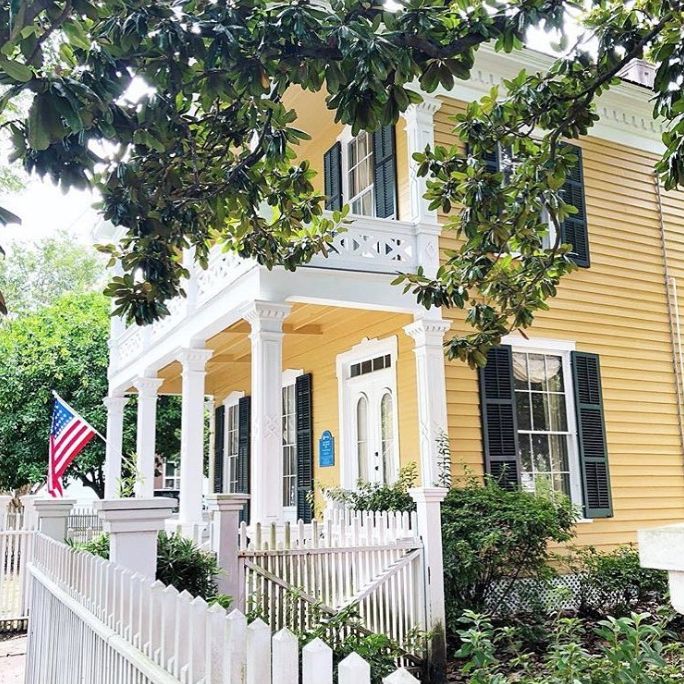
(626, 111)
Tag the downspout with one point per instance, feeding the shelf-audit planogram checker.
(673, 314)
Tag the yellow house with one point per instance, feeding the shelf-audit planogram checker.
(330, 374)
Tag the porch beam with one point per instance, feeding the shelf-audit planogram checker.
(148, 389)
(287, 328)
(194, 363)
(428, 334)
(266, 322)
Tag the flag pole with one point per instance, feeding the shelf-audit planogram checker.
(79, 415)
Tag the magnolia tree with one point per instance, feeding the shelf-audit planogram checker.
(212, 139)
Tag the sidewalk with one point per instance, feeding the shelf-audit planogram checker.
(12, 653)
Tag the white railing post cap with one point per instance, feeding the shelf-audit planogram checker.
(134, 515)
(226, 502)
(53, 508)
(428, 494)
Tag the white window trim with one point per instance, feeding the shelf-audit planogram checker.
(561, 348)
(366, 349)
(289, 379)
(233, 399)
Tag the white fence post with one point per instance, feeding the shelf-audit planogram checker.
(224, 511)
(429, 518)
(52, 516)
(317, 665)
(662, 548)
(133, 525)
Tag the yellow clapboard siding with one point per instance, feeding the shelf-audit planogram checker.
(618, 309)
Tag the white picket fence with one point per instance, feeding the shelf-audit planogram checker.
(93, 621)
(16, 549)
(367, 562)
(83, 524)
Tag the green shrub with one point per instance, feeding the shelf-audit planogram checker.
(628, 650)
(494, 535)
(615, 583)
(373, 496)
(180, 563)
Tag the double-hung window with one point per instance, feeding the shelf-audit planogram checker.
(232, 441)
(360, 171)
(289, 446)
(171, 476)
(545, 440)
(543, 421)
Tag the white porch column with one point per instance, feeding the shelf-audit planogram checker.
(266, 320)
(194, 363)
(146, 434)
(114, 447)
(420, 132)
(429, 519)
(431, 387)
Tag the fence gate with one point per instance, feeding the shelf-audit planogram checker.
(293, 576)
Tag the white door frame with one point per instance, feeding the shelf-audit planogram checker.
(350, 388)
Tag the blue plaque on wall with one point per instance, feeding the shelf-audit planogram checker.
(326, 450)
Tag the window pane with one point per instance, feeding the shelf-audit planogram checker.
(362, 437)
(525, 452)
(536, 371)
(558, 418)
(554, 374)
(387, 433)
(539, 415)
(520, 371)
(522, 404)
(541, 457)
(558, 445)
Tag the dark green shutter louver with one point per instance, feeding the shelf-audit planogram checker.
(219, 445)
(591, 434)
(332, 177)
(244, 451)
(499, 423)
(491, 160)
(384, 159)
(574, 229)
(303, 404)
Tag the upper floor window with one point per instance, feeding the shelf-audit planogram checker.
(171, 476)
(574, 229)
(361, 171)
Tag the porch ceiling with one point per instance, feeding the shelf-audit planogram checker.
(229, 368)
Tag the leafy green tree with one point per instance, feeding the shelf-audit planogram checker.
(63, 348)
(213, 140)
(34, 276)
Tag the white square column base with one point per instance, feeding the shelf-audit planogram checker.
(133, 526)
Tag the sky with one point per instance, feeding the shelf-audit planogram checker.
(44, 209)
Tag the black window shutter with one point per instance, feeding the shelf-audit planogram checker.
(491, 160)
(591, 434)
(219, 445)
(332, 177)
(574, 229)
(499, 423)
(384, 159)
(303, 404)
(244, 450)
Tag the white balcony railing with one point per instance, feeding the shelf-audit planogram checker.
(368, 244)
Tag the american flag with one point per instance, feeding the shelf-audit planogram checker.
(68, 436)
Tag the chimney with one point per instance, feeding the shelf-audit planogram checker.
(640, 72)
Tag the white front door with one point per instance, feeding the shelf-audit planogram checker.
(374, 447)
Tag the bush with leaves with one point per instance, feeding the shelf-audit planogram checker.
(180, 563)
(493, 535)
(376, 496)
(615, 583)
(635, 649)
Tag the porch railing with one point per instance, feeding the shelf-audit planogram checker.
(367, 244)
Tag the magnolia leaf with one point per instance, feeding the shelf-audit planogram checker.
(16, 70)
